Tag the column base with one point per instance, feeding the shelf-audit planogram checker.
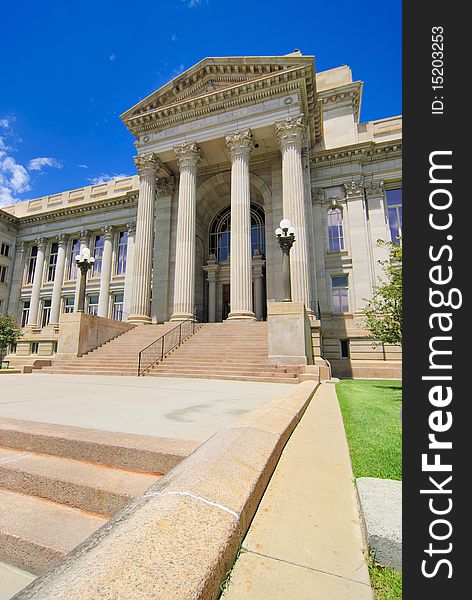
(182, 317)
(140, 319)
(241, 315)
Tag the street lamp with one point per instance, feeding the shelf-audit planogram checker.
(84, 262)
(286, 237)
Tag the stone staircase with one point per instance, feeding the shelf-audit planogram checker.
(119, 356)
(228, 350)
(59, 484)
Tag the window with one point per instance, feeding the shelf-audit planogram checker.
(394, 211)
(32, 264)
(34, 347)
(68, 304)
(5, 249)
(52, 261)
(25, 313)
(13, 348)
(93, 304)
(220, 233)
(344, 344)
(118, 307)
(54, 347)
(122, 251)
(335, 229)
(340, 292)
(73, 253)
(98, 255)
(46, 312)
(3, 273)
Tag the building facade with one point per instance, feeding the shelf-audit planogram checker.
(224, 152)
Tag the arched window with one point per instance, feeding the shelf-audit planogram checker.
(220, 237)
(335, 229)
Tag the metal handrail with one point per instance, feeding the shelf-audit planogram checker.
(173, 338)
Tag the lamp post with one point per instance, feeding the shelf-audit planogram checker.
(286, 236)
(84, 262)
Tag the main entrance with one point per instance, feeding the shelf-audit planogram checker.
(217, 293)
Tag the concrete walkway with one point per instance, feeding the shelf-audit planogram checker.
(12, 580)
(192, 409)
(305, 541)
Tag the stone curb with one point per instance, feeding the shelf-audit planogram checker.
(179, 539)
(380, 501)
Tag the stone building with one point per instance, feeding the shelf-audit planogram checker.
(224, 152)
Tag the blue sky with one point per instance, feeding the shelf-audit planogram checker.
(69, 68)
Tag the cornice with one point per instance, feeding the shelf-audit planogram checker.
(10, 219)
(364, 153)
(351, 91)
(130, 199)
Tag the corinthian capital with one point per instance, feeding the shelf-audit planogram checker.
(165, 187)
(374, 188)
(188, 154)
(353, 188)
(240, 143)
(41, 243)
(147, 164)
(290, 131)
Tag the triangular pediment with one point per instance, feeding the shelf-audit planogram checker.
(212, 75)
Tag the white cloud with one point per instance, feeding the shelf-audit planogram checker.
(83, 166)
(112, 57)
(103, 177)
(192, 3)
(38, 164)
(174, 37)
(14, 178)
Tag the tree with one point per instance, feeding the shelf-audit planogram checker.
(9, 332)
(383, 313)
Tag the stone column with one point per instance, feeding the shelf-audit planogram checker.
(105, 275)
(147, 165)
(290, 133)
(259, 299)
(240, 144)
(17, 280)
(129, 270)
(188, 156)
(37, 281)
(212, 268)
(58, 279)
(84, 240)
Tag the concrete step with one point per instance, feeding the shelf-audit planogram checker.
(264, 379)
(36, 533)
(229, 367)
(142, 453)
(84, 485)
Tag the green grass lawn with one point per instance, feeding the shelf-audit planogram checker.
(371, 414)
(387, 584)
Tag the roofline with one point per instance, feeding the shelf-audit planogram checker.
(303, 58)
